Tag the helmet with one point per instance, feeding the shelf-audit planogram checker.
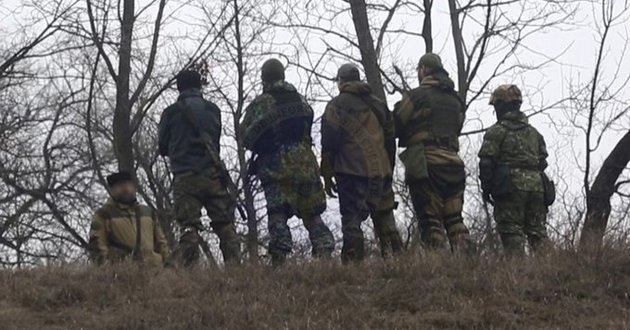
(506, 94)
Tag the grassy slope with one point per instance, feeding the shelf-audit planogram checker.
(559, 291)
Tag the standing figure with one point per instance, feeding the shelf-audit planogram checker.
(277, 129)
(358, 151)
(429, 121)
(198, 178)
(123, 229)
(512, 161)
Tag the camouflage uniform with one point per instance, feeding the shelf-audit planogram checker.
(358, 148)
(429, 121)
(512, 158)
(277, 128)
(198, 182)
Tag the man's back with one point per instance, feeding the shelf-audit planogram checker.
(178, 139)
(355, 130)
(431, 114)
(514, 142)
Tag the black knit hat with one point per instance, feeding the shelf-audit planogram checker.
(120, 177)
(188, 79)
(272, 70)
(348, 72)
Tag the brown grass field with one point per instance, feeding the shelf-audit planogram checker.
(558, 291)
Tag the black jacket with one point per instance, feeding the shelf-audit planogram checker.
(177, 138)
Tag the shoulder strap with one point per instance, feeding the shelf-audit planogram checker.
(137, 253)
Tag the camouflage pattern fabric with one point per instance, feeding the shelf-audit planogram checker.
(192, 191)
(521, 215)
(360, 197)
(522, 212)
(290, 179)
(433, 115)
(277, 128)
(514, 142)
(438, 203)
(506, 93)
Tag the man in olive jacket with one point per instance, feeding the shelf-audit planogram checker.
(123, 229)
(429, 122)
(358, 150)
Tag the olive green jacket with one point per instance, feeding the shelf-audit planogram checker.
(113, 235)
(358, 133)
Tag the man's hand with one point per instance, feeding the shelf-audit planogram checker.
(330, 186)
(487, 198)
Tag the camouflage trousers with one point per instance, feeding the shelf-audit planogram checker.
(281, 242)
(521, 215)
(360, 197)
(192, 192)
(438, 202)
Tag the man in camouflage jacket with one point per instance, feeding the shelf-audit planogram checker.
(512, 159)
(277, 129)
(429, 121)
(358, 150)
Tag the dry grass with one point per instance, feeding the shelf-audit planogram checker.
(560, 291)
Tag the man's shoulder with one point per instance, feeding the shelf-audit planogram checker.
(494, 131)
(262, 100)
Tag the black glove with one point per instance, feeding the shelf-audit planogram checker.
(330, 187)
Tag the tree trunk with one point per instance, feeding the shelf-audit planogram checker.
(366, 45)
(427, 27)
(598, 198)
(121, 125)
(458, 41)
(252, 221)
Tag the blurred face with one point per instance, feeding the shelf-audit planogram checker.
(124, 192)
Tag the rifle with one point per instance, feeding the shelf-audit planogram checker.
(226, 179)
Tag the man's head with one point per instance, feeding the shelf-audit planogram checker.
(506, 98)
(429, 63)
(346, 73)
(188, 79)
(272, 70)
(122, 187)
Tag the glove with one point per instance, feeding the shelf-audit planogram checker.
(487, 198)
(330, 187)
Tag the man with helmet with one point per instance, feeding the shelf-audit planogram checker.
(512, 163)
(277, 129)
(429, 121)
(358, 151)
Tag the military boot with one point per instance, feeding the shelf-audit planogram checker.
(187, 252)
(513, 245)
(387, 233)
(229, 242)
(322, 239)
(353, 249)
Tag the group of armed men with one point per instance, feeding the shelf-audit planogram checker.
(358, 146)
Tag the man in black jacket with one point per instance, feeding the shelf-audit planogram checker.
(198, 182)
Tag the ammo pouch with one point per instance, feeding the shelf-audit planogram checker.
(415, 161)
(502, 181)
(549, 188)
